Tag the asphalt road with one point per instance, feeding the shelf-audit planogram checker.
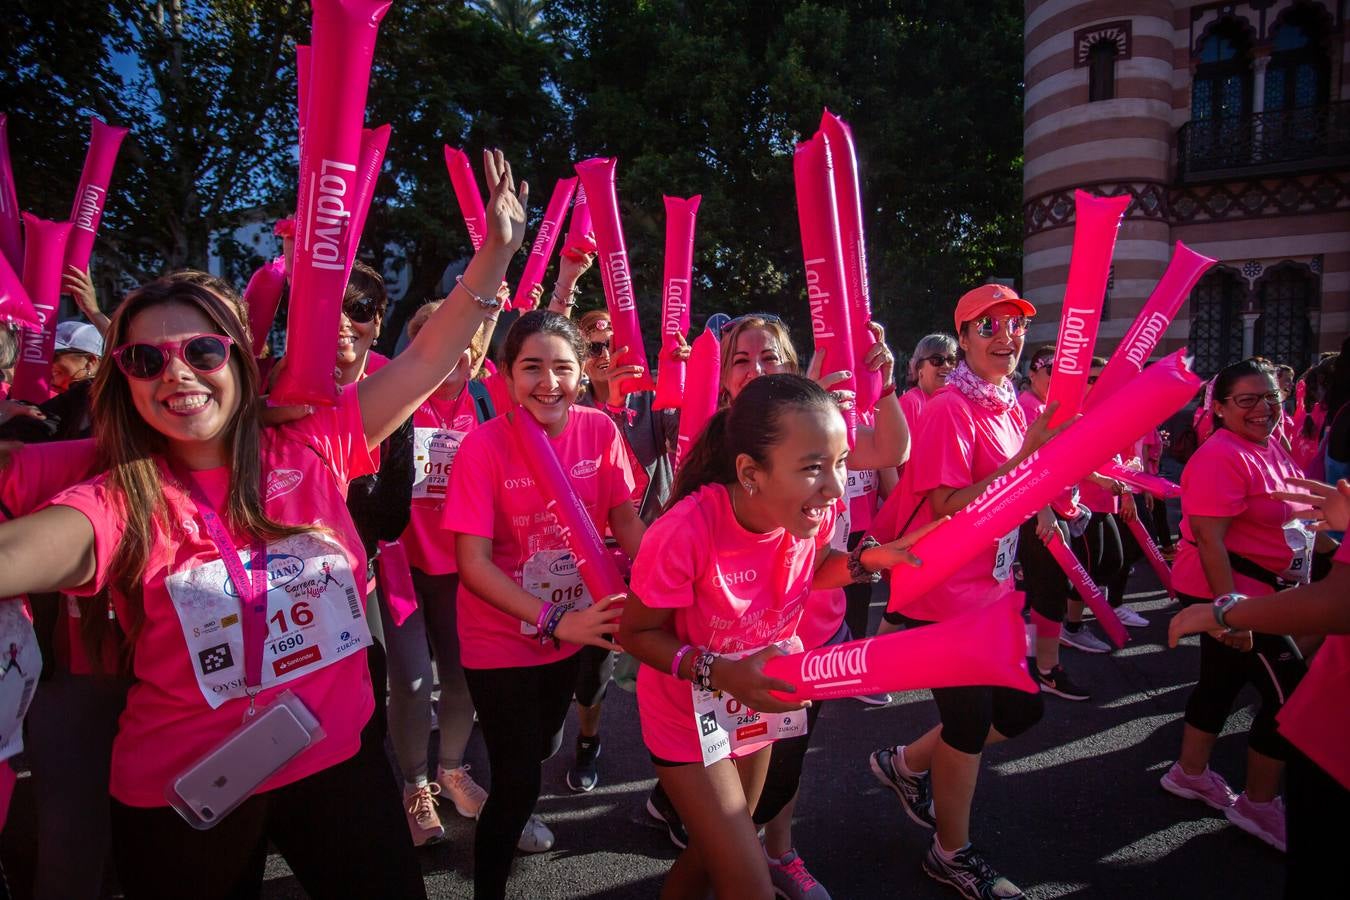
(1072, 808)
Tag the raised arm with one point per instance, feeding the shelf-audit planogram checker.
(392, 394)
(50, 550)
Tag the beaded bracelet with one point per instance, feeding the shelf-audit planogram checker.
(703, 670)
(568, 303)
(485, 302)
(679, 658)
(859, 574)
(551, 625)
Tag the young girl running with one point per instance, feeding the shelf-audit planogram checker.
(519, 642)
(202, 535)
(755, 504)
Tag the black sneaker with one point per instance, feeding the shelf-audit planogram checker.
(915, 791)
(1058, 682)
(663, 811)
(970, 874)
(584, 774)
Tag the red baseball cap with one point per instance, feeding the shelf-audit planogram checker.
(974, 303)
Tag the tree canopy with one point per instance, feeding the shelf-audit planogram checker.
(693, 97)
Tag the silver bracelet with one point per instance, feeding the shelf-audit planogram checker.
(568, 303)
(488, 303)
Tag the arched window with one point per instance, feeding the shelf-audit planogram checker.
(1286, 292)
(1299, 73)
(1222, 86)
(1216, 320)
(1102, 70)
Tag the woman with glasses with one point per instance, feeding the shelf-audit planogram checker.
(971, 433)
(933, 361)
(237, 577)
(1238, 541)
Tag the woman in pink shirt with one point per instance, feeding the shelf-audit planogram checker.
(1314, 719)
(1236, 539)
(755, 503)
(971, 433)
(933, 361)
(523, 610)
(242, 615)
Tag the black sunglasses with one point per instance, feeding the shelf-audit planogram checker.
(362, 311)
(205, 354)
(937, 359)
(597, 349)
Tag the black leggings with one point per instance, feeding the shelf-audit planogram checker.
(787, 757)
(521, 712)
(1271, 666)
(596, 670)
(1045, 584)
(1101, 553)
(340, 830)
(1316, 827)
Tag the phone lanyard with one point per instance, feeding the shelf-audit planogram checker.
(253, 606)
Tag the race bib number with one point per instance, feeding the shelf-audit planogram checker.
(434, 452)
(839, 541)
(1300, 541)
(20, 666)
(860, 482)
(314, 616)
(725, 724)
(1005, 556)
(552, 576)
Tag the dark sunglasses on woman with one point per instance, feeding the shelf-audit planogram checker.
(597, 349)
(205, 354)
(362, 311)
(937, 360)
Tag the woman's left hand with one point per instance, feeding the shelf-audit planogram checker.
(1128, 511)
(1330, 505)
(1045, 523)
(879, 358)
(888, 556)
(1192, 620)
(680, 353)
(505, 209)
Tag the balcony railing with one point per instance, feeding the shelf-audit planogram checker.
(1268, 143)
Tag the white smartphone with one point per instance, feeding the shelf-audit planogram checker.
(218, 782)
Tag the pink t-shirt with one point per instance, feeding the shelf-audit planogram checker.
(1229, 477)
(1314, 718)
(862, 489)
(439, 426)
(168, 722)
(500, 392)
(958, 444)
(493, 495)
(732, 590)
(912, 403)
(1032, 406)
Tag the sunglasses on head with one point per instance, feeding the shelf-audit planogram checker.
(767, 317)
(362, 311)
(1247, 401)
(1046, 362)
(937, 360)
(989, 326)
(205, 354)
(596, 349)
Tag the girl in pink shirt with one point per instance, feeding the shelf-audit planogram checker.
(523, 610)
(971, 433)
(1314, 719)
(1237, 539)
(226, 551)
(754, 504)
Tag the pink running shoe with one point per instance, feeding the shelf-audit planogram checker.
(1265, 820)
(1208, 787)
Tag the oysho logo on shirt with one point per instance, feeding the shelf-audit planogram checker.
(586, 468)
(281, 482)
(512, 484)
(732, 579)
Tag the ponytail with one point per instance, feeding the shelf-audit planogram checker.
(707, 462)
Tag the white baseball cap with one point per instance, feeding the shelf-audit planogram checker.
(78, 336)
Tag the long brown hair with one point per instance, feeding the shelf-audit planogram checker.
(130, 451)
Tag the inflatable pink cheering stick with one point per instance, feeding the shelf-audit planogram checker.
(1094, 239)
(44, 255)
(597, 176)
(1141, 481)
(594, 563)
(467, 194)
(262, 296)
(680, 217)
(986, 647)
(11, 235)
(302, 70)
(1151, 324)
(580, 239)
(817, 214)
(1300, 410)
(541, 251)
(15, 307)
(92, 193)
(340, 58)
(374, 141)
(1151, 553)
(396, 584)
(702, 383)
(1087, 589)
(1066, 459)
(848, 202)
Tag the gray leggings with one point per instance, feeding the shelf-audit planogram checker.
(430, 630)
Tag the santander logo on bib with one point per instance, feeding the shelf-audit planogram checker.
(586, 468)
(281, 482)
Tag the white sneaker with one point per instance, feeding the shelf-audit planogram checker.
(1130, 618)
(465, 793)
(1083, 639)
(536, 838)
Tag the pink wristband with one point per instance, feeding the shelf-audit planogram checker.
(679, 658)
